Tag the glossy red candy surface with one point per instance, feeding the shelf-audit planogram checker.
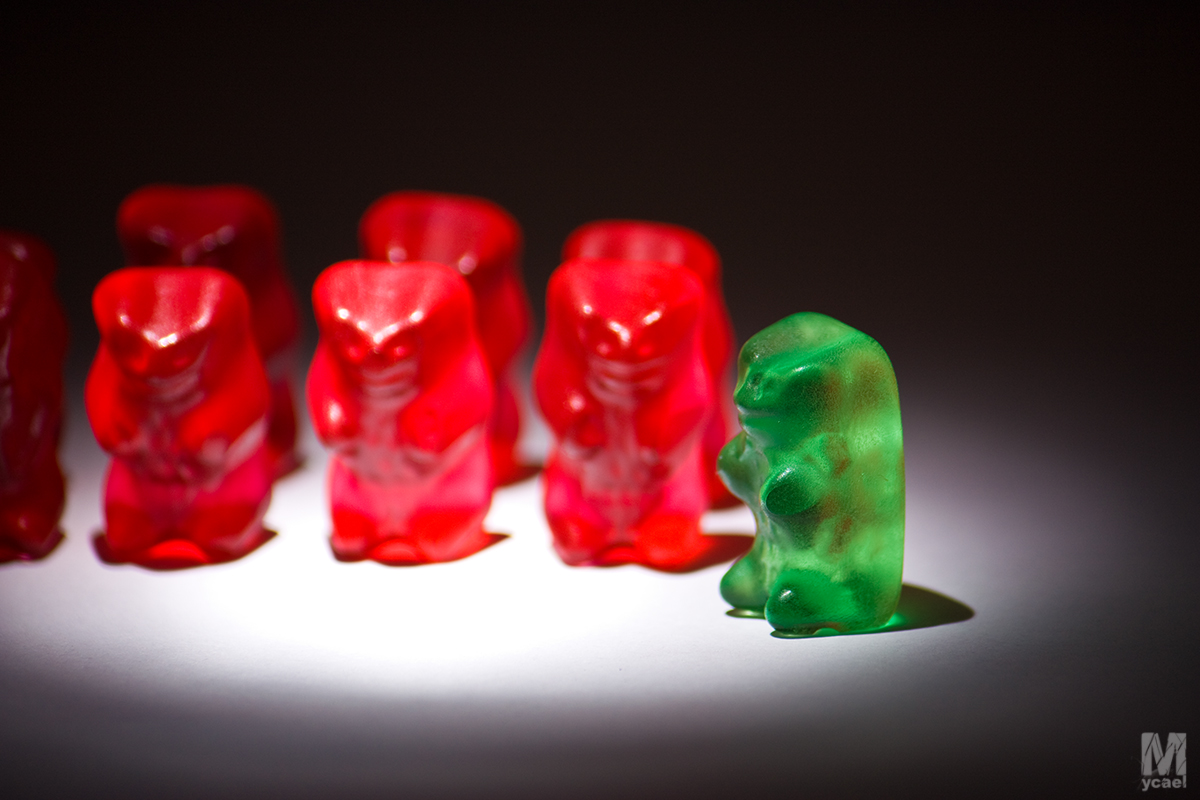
(482, 242)
(399, 390)
(623, 383)
(672, 244)
(178, 395)
(33, 345)
(235, 229)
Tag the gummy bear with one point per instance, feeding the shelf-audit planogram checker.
(820, 462)
(622, 381)
(236, 229)
(33, 345)
(399, 389)
(178, 395)
(482, 242)
(673, 244)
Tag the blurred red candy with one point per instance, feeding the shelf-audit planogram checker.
(482, 242)
(177, 394)
(623, 383)
(33, 345)
(672, 244)
(235, 229)
(400, 391)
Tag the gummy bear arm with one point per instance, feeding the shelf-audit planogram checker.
(458, 401)
(738, 465)
(788, 491)
(238, 402)
(677, 415)
(800, 480)
(113, 418)
(331, 404)
(669, 430)
(559, 389)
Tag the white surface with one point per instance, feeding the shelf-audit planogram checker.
(510, 646)
(511, 621)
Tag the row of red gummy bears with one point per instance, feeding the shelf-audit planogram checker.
(413, 386)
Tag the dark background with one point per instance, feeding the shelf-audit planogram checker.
(1004, 195)
(1009, 180)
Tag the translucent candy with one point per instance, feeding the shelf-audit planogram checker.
(820, 462)
(482, 242)
(400, 391)
(177, 394)
(235, 229)
(672, 244)
(623, 383)
(33, 344)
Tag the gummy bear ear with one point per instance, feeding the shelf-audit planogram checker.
(790, 491)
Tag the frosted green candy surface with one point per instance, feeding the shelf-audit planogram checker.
(820, 462)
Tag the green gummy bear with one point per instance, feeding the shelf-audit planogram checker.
(820, 462)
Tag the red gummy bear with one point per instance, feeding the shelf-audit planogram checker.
(482, 242)
(33, 344)
(672, 244)
(178, 395)
(399, 389)
(623, 383)
(236, 229)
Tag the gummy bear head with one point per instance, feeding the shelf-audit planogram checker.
(389, 324)
(24, 248)
(233, 228)
(790, 379)
(625, 320)
(29, 310)
(26, 266)
(635, 240)
(630, 312)
(166, 326)
(473, 236)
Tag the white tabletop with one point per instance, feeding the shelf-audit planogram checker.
(511, 673)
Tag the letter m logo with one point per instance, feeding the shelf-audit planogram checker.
(1156, 760)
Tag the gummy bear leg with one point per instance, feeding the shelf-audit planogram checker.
(29, 517)
(803, 601)
(744, 585)
(669, 537)
(357, 509)
(581, 535)
(133, 536)
(173, 554)
(226, 521)
(670, 542)
(442, 535)
(27, 548)
(448, 524)
(131, 524)
(226, 531)
(409, 524)
(353, 536)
